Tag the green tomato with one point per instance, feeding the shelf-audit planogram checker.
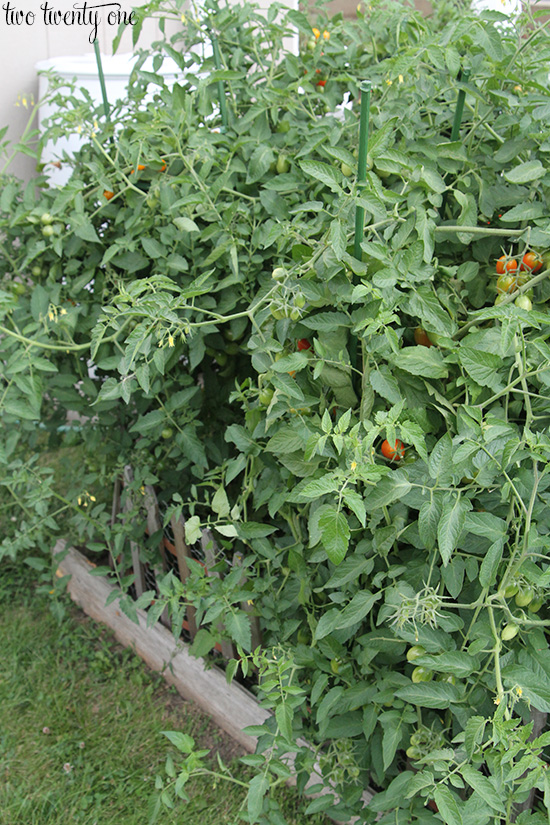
(278, 314)
(283, 126)
(36, 271)
(46, 218)
(295, 314)
(509, 631)
(221, 358)
(304, 638)
(300, 300)
(510, 591)
(524, 597)
(446, 677)
(47, 231)
(311, 44)
(264, 396)
(278, 273)
(416, 738)
(19, 289)
(167, 433)
(282, 165)
(422, 674)
(414, 652)
(523, 302)
(535, 605)
(346, 170)
(413, 753)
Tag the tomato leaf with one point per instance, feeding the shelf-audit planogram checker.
(447, 804)
(450, 525)
(335, 533)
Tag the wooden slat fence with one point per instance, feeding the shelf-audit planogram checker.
(174, 554)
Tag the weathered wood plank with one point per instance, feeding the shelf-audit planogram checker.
(232, 707)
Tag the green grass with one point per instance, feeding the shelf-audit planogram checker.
(81, 722)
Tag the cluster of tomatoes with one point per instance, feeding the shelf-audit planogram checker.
(514, 273)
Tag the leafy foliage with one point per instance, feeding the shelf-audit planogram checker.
(173, 309)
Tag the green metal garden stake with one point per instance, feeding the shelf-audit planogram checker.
(106, 108)
(455, 130)
(221, 91)
(365, 87)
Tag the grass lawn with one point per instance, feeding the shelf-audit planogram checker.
(81, 721)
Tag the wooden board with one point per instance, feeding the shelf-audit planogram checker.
(232, 707)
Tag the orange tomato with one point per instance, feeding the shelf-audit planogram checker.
(107, 194)
(394, 453)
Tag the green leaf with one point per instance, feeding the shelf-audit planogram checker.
(450, 526)
(220, 503)
(475, 728)
(429, 694)
(489, 565)
(202, 643)
(535, 688)
(428, 519)
(237, 625)
(523, 212)
(391, 723)
(484, 787)
(335, 533)
(526, 172)
(447, 804)
(186, 224)
(153, 248)
(283, 717)
(481, 366)
(87, 232)
(391, 488)
(261, 159)
(359, 607)
(257, 789)
(192, 530)
(453, 661)
(424, 361)
(182, 741)
(322, 172)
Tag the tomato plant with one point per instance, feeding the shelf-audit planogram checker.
(188, 301)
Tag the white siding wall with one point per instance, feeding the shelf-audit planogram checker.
(23, 46)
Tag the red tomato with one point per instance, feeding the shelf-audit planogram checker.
(531, 262)
(303, 343)
(506, 264)
(421, 337)
(394, 453)
(322, 83)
